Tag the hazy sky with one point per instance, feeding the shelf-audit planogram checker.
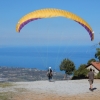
(50, 31)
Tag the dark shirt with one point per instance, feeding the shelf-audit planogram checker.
(50, 70)
(49, 74)
(91, 75)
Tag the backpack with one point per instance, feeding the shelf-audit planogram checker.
(49, 72)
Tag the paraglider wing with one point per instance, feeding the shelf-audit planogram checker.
(47, 13)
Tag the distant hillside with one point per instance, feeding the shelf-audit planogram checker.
(25, 74)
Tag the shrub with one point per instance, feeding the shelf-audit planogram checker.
(81, 73)
(98, 75)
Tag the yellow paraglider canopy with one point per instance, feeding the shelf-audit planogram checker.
(47, 13)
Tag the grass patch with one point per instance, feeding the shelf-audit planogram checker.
(6, 96)
(6, 84)
(21, 89)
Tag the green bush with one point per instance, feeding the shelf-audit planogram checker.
(98, 75)
(81, 72)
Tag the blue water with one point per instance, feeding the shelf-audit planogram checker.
(42, 57)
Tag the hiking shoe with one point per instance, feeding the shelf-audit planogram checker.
(91, 89)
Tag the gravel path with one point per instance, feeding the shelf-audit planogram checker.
(70, 87)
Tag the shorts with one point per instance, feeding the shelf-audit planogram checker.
(91, 82)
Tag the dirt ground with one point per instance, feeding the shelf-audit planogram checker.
(45, 96)
(68, 90)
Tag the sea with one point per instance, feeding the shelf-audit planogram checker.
(42, 57)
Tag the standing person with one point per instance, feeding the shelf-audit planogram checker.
(49, 74)
(91, 79)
